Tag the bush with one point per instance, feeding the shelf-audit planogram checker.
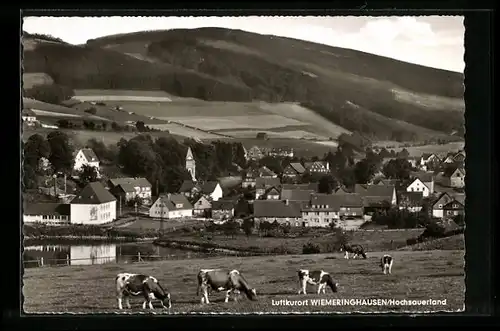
(310, 248)
(91, 110)
(281, 250)
(411, 241)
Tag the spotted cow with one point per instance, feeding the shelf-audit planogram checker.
(223, 280)
(355, 249)
(316, 277)
(386, 264)
(149, 287)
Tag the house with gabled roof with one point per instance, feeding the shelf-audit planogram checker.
(254, 153)
(272, 193)
(429, 161)
(376, 197)
(438, 203)
(323, 209)
(212, 190)
(93, 205)
(265, 172)
(86, 156)
(294, 170)
(456, 177)
(262, 184)
(455, 207)
(28, 116)
(171, 206)
(422, 182)
(128, 188)
(283, 212)
(459, 158)
(223, 209)
(300, 195)
(317, 167)
(202, 207)
(189, 188)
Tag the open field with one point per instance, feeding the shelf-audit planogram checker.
(155, 224)
(438, 149)
(453, 242)
(437, 275)
(36, 78)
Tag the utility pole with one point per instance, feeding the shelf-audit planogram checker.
(55, 185)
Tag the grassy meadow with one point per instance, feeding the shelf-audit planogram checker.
(422, 275)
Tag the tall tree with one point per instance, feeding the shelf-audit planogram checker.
(35, 148)
(397, 169)
(88, 174)
(364, 171)
(327, 184)
(61, 151)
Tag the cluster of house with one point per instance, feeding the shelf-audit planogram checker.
(257, 153)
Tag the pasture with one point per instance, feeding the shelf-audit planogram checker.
(420, 275)
(438, 149)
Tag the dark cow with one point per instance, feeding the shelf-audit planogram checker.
(386, 263)
(135, 284)
(223, 280)
(316, 277)
(355, 249)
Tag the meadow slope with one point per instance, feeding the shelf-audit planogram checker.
(239, 66)
(425, 275)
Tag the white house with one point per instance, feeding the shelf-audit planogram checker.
(128, 188)
(48, 213)
(418, 186)
(422, 182)
(94, 205)
(439, 203)
(28, 117)
(86, 156)
(212, 189)
(171, 206)
(457, 178)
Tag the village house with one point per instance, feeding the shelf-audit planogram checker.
(129, 188)
(93, 205)
(376, 197)
(411, 201)
(223, 209)
(294, 170)
(455, 207)
(189, 188)
(265, 172)
(321, 211)
(262, 184)
(454, 177)
(297, 195)
(47, 213)
(429, 161)
(341, 190)
(28, 117)
(422, 182)
(317, 167)
(304, 186)
(449, 159)
(271, 193)
(249, 179)
(254, 153)
(439, 203)
(283, 212)
(212, 190)
(459, 158)
(280, 152)
(86, 156)
(202, 207)
(350, 205)
(171, 206)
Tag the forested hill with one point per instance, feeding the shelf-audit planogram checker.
(378, 96)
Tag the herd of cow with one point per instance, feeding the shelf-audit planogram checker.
(233, 282)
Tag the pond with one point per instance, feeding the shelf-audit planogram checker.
(53, 254)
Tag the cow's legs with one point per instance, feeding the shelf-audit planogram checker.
(205, 295)
(346, 255)
(144, 304)
(390, 268)
(151, 305)
(355, 255)
(120, 303)
(127, 302)
(236, 294)
(320, 288)
(324, 289)
(228, 292)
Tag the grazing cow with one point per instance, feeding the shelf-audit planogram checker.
(222, 280)
(354, 249)
(386, 263)
(135, 284)
(316, 277)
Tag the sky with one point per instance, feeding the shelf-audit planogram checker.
(433, 41)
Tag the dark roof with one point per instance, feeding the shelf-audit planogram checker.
(321, 164)
(342, 190)
(135, 182)
(349, 200)
(448, 205)
(93, 193)
(223, 205)
(388, 182)
(374, 190)
(265, 171)
(460, 198)
(171, 201)
(296, 195)
(306, 186)
(323, 202)
(262, 183)
(187, 186)
(298, 167)
(56, 209)
(276, 208)
(272, 190)
(414, 198)
(127, 187)
(375, 200)
(90, 154)
(209, 187)
(424, 176)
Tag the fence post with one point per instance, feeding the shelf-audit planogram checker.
(138, 256)
(41, 261)
(67, 259)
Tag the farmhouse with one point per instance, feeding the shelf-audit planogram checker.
(265, 172)
(171, 206)
(321, 210)
(280, 152)
(94, 205)
(223, 209)
(294, 170)
(254, 153)
(459, 158)
(317, 167)
(350, 205)
(422, 182)
(212, 189)
(437, 205)
(454, 177)
(262, 184)
(249, 179)
(28, 117)
(202, 207)
(297, 195)
(455, 207)
(429, 161)
(86, 156)
(283, 212)
(48, 213)
(272, 193)
(129, 188)
(411, 201)
(376, 197)
(449, 159)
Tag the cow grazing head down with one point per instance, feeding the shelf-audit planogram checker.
(159, 292)
(132, 285)
(222, 280)
(319, 278)
(242, 285)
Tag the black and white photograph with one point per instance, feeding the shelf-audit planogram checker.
(243, 165)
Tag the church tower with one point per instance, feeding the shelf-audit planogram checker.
(191, 164)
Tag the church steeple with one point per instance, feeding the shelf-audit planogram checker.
(191, 164)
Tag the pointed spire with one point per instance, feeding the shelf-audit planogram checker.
(189, 155)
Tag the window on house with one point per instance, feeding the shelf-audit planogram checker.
(317, 213)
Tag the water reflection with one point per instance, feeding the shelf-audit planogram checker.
(75, 254)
